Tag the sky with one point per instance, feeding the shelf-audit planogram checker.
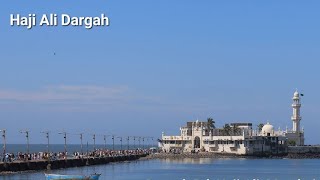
(158, 65)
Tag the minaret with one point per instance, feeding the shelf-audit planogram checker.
(296, 118)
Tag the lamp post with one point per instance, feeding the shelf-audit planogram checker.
(94, 142)
(120, 142)
(147, 143)
(27, 136)
(150, 143)
(112, 142)
(105, 141)
(134, 142)
(153, 143)
(4, 141)
(65, 143)
(128, 143)
(87, 162)
(47, 133)
(81, 134)
(142, 142)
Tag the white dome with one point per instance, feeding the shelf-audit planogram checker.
(296, 94)
(267, 128)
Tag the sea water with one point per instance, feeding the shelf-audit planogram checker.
(15, 148)
(194, 169)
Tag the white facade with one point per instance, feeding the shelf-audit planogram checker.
(196, 136)
(236, 138)
(296, 118)
(296, 135)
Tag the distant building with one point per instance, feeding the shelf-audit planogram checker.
(236, 138)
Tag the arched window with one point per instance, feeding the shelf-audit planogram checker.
(196, 142)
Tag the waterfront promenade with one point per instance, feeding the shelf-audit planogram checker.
(99, 156)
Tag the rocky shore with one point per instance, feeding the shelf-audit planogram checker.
(303, 156)
(216, 155)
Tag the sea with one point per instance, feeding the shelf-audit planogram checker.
(193, 169)
(34, 148)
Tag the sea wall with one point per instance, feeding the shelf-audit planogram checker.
(58, 164)
(303, 149)
(307, 155)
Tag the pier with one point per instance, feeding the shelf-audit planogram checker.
(30, 160)
(18, 166)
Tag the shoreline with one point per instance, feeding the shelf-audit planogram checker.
(165, 156)
(219, 155)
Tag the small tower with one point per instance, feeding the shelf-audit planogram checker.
(296, 118)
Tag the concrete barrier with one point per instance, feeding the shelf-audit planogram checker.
(58, 164)
(303, 149)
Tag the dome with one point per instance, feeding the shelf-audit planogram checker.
(267, 128)
(296, 94)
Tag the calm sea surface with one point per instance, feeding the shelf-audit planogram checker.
(195, 169)
(15, 148)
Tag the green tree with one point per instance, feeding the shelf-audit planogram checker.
(210, 123)
(236, 130)
(291, 143)
(227, 130)
(260, 126)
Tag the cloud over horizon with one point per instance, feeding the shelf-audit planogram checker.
(67, 93)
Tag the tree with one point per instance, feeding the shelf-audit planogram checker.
(210, 123)
(236, 130)
(260, 126)
(227, 130)
(292, 143)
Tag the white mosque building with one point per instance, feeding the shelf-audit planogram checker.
(236, 138)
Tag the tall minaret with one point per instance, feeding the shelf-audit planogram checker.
(296, 118)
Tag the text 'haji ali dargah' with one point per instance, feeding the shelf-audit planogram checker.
(236, 138)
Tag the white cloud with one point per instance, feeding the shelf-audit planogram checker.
(65, 93)
(73, 98)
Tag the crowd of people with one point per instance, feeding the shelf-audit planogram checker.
(97, 153)
(112, 153)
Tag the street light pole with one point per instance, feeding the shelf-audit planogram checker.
(147, 143)
(152, 142)
(139, 142)
(128, 143)
(105, 141)
(48, 145)
(81, 143)
(4, 141)
(94, 142)
(120, 142)
(87, 162)
(112, 142)
(27, 136)
(143, 143)
(65, 142)
(134, 142)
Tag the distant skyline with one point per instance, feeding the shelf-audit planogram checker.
(158, 65)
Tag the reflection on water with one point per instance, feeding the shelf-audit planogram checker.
(196, 160)
(192, 169)
(189, 161)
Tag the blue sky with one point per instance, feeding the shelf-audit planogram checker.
(158, 65)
